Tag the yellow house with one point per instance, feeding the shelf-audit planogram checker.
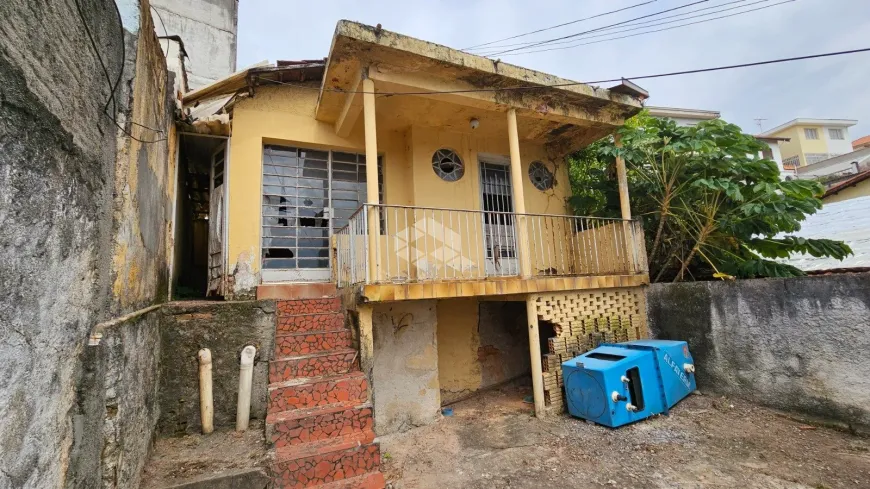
(428, 188)
(812, 140)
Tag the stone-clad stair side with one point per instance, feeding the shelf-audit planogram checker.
(319, 417)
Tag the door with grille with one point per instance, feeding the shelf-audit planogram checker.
(500, 249)
(307, 196)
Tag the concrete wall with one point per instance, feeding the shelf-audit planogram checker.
(796, 344)
(860, 189)
(225, 328)
(405, 372)
(504, 342)
(84, 239)
(208, 29)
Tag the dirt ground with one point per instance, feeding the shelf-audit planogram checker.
(182, 459)
(492, 441)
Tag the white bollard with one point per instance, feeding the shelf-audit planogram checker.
(246, 378)
(206, 404)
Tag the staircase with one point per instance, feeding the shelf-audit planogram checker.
(319, 418)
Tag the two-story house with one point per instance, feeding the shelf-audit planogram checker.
(420, 192)
(812, 140)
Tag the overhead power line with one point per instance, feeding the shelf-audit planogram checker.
(652, 31)
(627, 27)
(558, 25)
(570, 84)
(539, 43)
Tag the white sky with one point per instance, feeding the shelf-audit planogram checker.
(836, 87)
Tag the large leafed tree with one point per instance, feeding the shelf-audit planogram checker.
(711, 206)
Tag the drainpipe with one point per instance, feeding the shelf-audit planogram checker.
(206, 404)
(246, 377)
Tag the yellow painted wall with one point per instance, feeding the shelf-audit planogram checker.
(799, 144)
(458, 366)
(285, 115)
(862, 189)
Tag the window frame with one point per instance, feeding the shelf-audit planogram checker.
(811, 130)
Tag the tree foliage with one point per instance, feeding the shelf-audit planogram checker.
(711, 207)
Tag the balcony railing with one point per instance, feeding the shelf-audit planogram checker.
(424, 244)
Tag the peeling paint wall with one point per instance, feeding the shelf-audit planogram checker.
(405, 373)
(480, 344)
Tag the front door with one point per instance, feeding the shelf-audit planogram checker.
(500, 249)
(307, 196)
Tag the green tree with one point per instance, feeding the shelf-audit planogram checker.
(711, 208)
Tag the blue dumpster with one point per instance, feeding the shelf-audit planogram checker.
(617, 384)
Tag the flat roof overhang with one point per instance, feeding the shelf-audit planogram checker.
(575, 113)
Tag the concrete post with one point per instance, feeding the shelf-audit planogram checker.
(366, 339)
(518, 195)
(535, 354)
(371, 135)
(625, 206)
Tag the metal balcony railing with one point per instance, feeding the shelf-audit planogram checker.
(402, 244)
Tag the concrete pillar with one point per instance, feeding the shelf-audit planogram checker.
(518, 195)
(374, 228)
(366, 339)
(624, 203)
(631, 249)
(535, 353)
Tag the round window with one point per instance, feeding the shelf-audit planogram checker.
(447, 165)
(541, 176)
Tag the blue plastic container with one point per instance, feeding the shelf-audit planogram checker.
(617, 384)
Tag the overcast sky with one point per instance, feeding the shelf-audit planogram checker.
(836, 87)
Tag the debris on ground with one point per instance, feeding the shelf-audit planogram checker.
(492, 441)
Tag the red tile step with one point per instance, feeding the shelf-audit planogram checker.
(309, 306)
(306, 393)
(301, 426)
(329, 321)
(296, 344)
(318, 463)
(332, 362)
(372, 480)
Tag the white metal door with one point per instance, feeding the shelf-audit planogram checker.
(215, 222)
(307, 196)
(500, 249)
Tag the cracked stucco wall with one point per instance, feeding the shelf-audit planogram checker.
(796, 344)
(61, 220)
(405, 372)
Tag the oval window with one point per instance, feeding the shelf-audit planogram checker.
(447, 165)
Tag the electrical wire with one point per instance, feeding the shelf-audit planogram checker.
(654, 31)
(655, 22)
(570, 36)
(571, 84)
(477, 46)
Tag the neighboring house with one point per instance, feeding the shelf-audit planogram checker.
(852, 188)
(205, 31)
(440, 218)
(691, 117)
(834, 170)
(847, 221)
(812, 140)
(683, 117)
(861, 143)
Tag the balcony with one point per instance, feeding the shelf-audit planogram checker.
(393, 252)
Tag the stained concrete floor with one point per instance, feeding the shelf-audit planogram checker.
(492, 441)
